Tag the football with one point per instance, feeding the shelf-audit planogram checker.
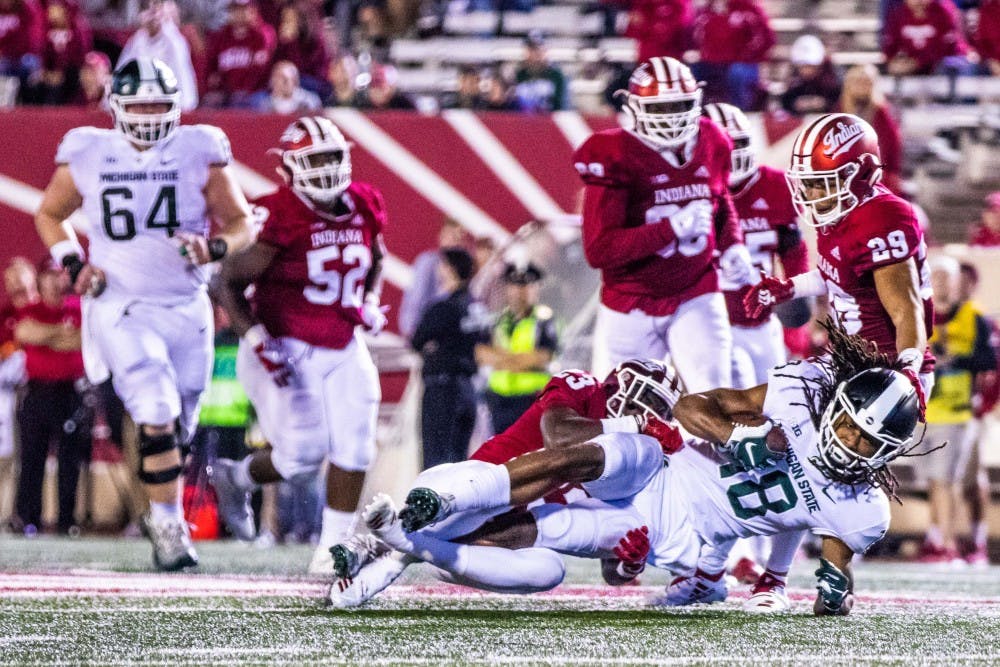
(776, 440)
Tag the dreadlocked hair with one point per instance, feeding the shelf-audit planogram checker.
(844, 356)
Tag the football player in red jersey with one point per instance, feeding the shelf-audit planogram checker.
(656, 209)
(315, 268)
(573, 408)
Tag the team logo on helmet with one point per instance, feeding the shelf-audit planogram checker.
(839, 139)
(316, 157)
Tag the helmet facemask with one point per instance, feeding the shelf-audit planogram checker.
(827, 209)
(666, 120)
(143, 128)
(636, 390)
(320, 172)
(744, 163)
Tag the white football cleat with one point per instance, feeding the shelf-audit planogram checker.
(322, 562)
(172, 548)
(692, 589)
(768, 597)
(371, 580)
(356, 552)
(382, 519)
(234, 502)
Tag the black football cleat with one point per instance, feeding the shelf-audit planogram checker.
(423, 507)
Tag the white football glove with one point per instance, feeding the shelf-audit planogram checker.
(373, 315)
(736, 265)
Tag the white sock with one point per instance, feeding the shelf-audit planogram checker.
(242, 476)
(337, 526)
(979, 534)
(475, 485)
(712, 558)
(492, 568)
(783, 549)
(164, 511)
(934, 537)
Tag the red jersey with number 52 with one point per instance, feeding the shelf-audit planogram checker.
(314, 288)
(881, 231)
(638, 227)
(574, 389)
(770, 227)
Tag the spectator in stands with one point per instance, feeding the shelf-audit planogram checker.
(67, 40)
(371, 31)
(539, 85)
(301, 43)
(925, 37)
(987, 231)
(426, 286)
(661, 27)
(160, 37)
(95, 76)
(342, 76)
(239, 56)
(382, 92)
(987, 37)
(22, 37)
(53, 405)
(21, 288)
(815, 85)
(523, 342)
(469, 94)
(498, 93)
(286, 95)
(961, 343)
(732, 38)
(863, 96)
(446, 336)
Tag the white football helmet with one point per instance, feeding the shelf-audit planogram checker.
(663, 102)
(317, 158)
(144, 81)
(652, 387)
(737, 126)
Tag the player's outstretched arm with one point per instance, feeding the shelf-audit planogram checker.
(835, 579)
(225, 201)
(708, 415)
(372, 312)
(59, 201)
(898, 290)
(238, 271)
(563, 426)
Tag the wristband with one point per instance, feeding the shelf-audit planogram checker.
(627, 424)
(810, 283)
(217, 248)
(911, 358)
(60, 250)
(256, 335)
(73, 265)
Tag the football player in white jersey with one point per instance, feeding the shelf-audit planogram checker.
(148, 189)
(817, 461)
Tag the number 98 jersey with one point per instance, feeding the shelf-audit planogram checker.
(135, 201)
(314, 288)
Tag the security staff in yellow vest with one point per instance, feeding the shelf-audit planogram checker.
(961, 343)
(524, 341)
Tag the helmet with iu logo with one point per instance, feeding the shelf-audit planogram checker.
(644, 385)
(316, 157)
(663, 102)
(835, 165)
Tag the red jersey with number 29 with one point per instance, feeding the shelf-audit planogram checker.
(314, 288)
(577, 390)
(881, 231)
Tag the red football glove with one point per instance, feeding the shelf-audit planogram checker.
(765, 294)
(632, 551)
(914, 379)
(272, 355)
(668, 435)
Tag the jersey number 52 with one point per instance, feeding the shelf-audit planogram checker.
(329, 286)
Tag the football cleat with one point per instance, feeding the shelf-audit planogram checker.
(768, 596)
(172, 549)
(371, 579)
(234, 502)
(692, 589)
(322, 561)
(381, 518)
(359, 550)
(423, 507)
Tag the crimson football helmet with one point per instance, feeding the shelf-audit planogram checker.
(836, 156)
(737, 126)
(143, 82)
(663, 102)
(883, 404)
(649, 385)
(316, 157)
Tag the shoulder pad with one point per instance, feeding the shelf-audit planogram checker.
(599, 160)
(78, 142)
(207, 141)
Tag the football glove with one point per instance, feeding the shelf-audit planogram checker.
(755, 446)
(833, 587)
(668, 435)
(736, 266)
(373, 315)
(911, 360)
(765, 294)
(272, 355)
(631, 552)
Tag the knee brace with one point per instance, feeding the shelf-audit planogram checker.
(151, 445)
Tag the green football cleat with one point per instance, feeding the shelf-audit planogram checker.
(423, 507)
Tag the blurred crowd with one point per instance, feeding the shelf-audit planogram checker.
(293, 56)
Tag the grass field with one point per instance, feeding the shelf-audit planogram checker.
(91, 601)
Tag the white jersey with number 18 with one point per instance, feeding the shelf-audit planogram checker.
(135, 201)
